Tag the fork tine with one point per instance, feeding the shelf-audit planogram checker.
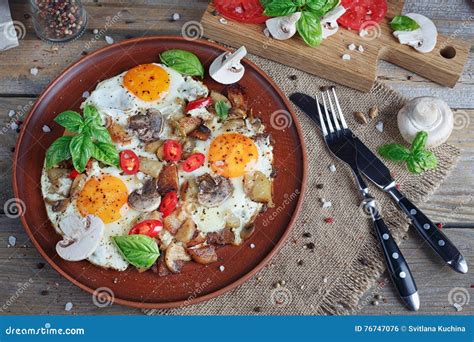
(339, 111)
(334, 114)
(331, 129)
(321, 120)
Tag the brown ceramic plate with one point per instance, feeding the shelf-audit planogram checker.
(195, 283)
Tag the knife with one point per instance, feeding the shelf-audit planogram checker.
(376, 171)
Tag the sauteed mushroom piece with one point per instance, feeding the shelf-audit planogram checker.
(148, 125)
(175, 257)
(204, 255)
(212, 191)
(147, 198)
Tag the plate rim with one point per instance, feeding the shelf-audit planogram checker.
(168, 305)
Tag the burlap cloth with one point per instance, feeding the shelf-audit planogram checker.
(346, 260)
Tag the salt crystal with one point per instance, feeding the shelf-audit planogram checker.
(351, 47)
(46, 129)
(457, 306)
(363, 33)
(327, 205)
(12, 241)
(223, 21)
(11, 113)
(68, 306)
(95, 31)
(175, 17)
(252, 245)
(332, 168)
(379, 126)
(346, 57)
(109, 40)
(34, 71)
(360, 48)
(325, 280)
(221, 268)
(85, 94)
(14, 125)
(266, 32)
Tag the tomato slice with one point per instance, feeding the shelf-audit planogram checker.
(207, 101)
(172, 150)
(129, 162)
(73, 174)
(147, 227)
(168, 203)
(246, 11)
(362, 13)
(193, 162)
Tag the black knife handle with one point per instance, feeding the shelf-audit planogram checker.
(430, 233)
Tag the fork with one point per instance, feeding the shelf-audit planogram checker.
(341, 143)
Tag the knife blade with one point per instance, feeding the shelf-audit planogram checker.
(378, 173)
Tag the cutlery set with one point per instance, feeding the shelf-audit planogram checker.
(325, 111)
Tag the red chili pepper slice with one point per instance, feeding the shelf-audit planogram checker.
(204, 102)
(129, 162)
(168, 203)
(73, 174)
(193, 162)
(172, 150)
(147, 227)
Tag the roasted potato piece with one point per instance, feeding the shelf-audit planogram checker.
(153, 146)
(216, 96)
(150, 167)
(188, 145)
(259, 188)
(187, 124)
(237, 97)
(247, 231)
(175, 257)
(168, 179)
(174, 221)
(188, 191)
(198, 238)
(202, 132)
(186, 232)
(232, 221)
(160, 267)
(204, 255)
(224, 237)
(117, 132)
(237, 113)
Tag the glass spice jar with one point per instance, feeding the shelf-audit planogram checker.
(58, 21)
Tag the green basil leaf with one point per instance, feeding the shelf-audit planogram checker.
(58, 151)
(139, 250)
(413, 166)
(403, 23)
(309, 28)
(182, 61)
(426, 160)
(419, 143)
(81, 150)
(91, 115)
(279, 8)
(70, 120)
(100, 133)
(264, 3)
(394, 152)
(106, 153)
(222, 109)
(320, 7)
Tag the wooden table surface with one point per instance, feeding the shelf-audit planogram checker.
(31, 287)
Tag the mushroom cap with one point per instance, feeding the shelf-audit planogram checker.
(282, 28)
(227, 69)
(329, 21)
(147, 198)
(423, 39)
(429, 114)
(82, 237)
(149, 125)
(213, 190)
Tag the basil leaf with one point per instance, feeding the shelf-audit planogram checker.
(106, 153)
(222, 109)
(320, 7)
(91, 115)
(264, 3)
(139, 250)
(413, 166)
(81, 150)
(394, 152)
(426, 160)
(100, 133)
(182, 61)
(279, 8)
(58, 151)
(419, 143)
(70, 120)
(309, 28)
(403, 23)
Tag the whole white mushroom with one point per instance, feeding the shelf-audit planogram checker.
(429, 114)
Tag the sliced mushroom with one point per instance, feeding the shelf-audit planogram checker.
(81, 237)
(77, 185)
(60, 205)
(329, 21)
(175, 257)
(55, 175)
(212, 191)
(186, 232)
(168, 179)
(147, 198)
(227, 68)
(223, 237)
(422, 39)
(247, 231)
(237, 97)
(117, 132)
(160, 267)
(198, 239)
(282, 28)
(186, 125)
(148, 125)
(204, 255)
(259, 188)
(153, 146)
(202, 132)
(150, 167)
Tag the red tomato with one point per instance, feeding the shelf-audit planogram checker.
(207, 101)
(147, 227)
(129, 162)
(168, 203)
(73, 174)
(193, 162)
(172, 150)
(246, 11)
(362, 13)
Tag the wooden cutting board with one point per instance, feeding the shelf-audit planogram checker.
(444, 65)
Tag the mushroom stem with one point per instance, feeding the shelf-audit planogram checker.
(227, 68)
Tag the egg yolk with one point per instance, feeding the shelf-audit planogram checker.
(230, 154)
(148, 82)
(103, 197)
